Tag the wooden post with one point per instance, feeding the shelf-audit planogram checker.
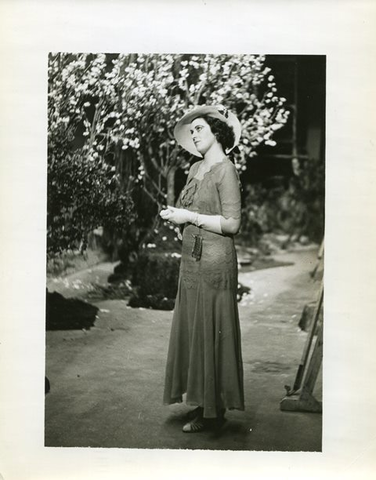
(302, 399)
(307, 347)
(315, 363)
(320, 260)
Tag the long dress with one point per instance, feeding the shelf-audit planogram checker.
(204, 357)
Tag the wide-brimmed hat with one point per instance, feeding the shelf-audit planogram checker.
(182, 129)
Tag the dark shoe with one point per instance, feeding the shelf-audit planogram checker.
(221, 414)
(219, 421)
(197, 412)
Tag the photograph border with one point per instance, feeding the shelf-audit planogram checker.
(342, 31)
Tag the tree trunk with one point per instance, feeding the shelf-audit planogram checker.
(171, 186)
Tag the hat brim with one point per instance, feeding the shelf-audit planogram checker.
(182, 129)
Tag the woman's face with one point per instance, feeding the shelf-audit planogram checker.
(202, 136)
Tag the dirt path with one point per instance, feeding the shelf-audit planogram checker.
(106, 383)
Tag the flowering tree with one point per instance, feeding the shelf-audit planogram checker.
(84, 189)
(155, 91)
(111, 120)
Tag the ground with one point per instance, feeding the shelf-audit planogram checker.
(107, 382)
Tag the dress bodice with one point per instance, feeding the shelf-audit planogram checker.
(216, 193)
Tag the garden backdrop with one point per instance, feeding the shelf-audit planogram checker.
(113, 162)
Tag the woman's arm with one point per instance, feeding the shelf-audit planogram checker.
(217, 223)
(229, 222)
(212, 223)
(230, 226)
(228, 186)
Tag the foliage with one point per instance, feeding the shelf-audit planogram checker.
(307, 192)
(294, 209)
(82, 197)
(84, 190)
(115, 291)
(156, 278)
(156, 269)
(156, 301)
(110, 133)
(155, 90)
(261, 213)
(71, 261)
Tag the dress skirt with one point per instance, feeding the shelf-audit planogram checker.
(204, 358)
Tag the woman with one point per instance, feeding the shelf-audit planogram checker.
(204, 358)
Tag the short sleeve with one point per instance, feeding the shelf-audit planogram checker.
(228, 185)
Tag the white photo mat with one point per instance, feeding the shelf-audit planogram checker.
(344, 32)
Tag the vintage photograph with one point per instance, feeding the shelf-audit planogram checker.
(185, 251)
(187, 240)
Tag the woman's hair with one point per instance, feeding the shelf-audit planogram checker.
(223, 132)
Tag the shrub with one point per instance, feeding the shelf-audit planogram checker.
(68, 313)
(293, 206)
(156, 280)
(156, 302)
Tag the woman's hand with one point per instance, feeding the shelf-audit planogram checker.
(177, 216)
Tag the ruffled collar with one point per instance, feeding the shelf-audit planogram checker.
(189, 191)
(212, 167)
